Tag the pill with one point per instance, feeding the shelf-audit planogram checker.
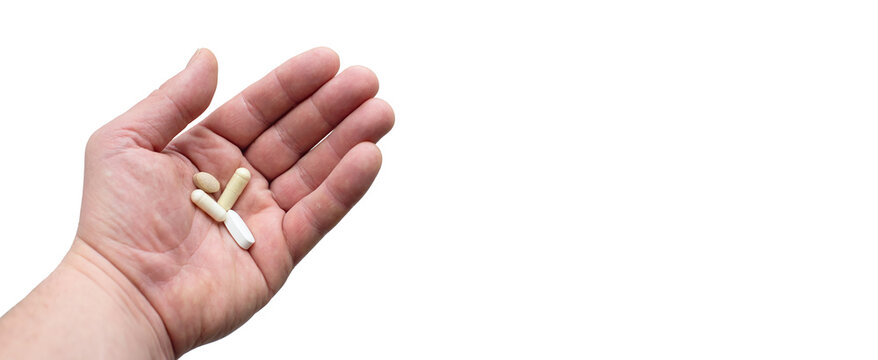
(206, 203)
(234, 188)
(206, 182)
(239, 230)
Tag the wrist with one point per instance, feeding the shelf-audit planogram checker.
(85, 307)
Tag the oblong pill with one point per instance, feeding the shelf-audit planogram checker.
(239, 230)
(206, 203)
(234, 188)
(206, 181)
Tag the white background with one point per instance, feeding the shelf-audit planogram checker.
(617, 180)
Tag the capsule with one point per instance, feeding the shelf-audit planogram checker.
(234, 188)
(206, 203)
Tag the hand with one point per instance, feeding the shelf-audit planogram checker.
(136, 211)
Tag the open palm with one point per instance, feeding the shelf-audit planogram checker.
(136, 210)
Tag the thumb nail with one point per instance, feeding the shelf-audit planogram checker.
(194, 56)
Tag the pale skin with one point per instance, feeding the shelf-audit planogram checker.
(149, 275)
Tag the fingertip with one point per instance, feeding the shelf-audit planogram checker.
(379, 157)
(328, 56)
(308, 70)
(367, 157)
(324, 62)
(203, 58)
(386, 117)
(210, 58)
(204, 62)
(365, 76)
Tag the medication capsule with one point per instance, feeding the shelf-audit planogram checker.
(206, 182)
(234, 188)
(206, 203)
(239, 230)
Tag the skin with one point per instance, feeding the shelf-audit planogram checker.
(151, 275)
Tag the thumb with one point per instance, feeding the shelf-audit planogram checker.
(154, 121)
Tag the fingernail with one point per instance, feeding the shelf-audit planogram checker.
(194, 56)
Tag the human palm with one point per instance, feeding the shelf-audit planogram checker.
(136, 211)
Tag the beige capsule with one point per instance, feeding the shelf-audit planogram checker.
(206, 181)
(234, 188)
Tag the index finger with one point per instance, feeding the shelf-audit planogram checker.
(241, 119)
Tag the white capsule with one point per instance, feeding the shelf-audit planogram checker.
(206, 203)
(234, 188)
(239, 230)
